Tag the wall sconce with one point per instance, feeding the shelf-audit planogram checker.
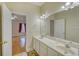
(43, 16)
(42, 20)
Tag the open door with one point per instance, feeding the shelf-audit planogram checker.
(6, 31)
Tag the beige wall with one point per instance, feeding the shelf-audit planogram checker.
(72, 23)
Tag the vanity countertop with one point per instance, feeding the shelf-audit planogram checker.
(58, 46)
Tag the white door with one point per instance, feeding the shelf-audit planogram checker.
(6, 31)
(59, 28)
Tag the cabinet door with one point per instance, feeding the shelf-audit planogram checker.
(43, 49)
(34, 43)
(37, 46)
(51, 52)
(60, 54)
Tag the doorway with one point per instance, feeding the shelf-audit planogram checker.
(18, 34)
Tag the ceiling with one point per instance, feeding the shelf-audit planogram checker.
(37, 3)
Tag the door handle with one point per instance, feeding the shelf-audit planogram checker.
(1, 43)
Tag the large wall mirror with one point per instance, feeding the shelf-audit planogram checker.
(65, 25)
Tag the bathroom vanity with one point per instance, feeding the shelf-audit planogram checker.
(52, 46)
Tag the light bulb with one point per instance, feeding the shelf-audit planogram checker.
(72, 7)
(62, 7)
(67, 4)
(14, 17)
(43, 15)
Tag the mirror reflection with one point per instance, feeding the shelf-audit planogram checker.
(63, 24)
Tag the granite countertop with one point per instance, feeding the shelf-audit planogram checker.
(58, 46)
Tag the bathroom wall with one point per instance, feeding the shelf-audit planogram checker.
(72, 23)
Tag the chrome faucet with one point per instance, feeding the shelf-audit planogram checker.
(41, 36)
(68, 47)
(68, 44)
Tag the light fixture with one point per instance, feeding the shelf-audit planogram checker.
(14, 17)
(62, 7)
(43, 16)
(67, 4)
(72, 7)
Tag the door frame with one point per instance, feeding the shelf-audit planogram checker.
(24, 14)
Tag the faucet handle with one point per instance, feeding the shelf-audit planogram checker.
(68, 44)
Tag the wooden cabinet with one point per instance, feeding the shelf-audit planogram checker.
(43, 49)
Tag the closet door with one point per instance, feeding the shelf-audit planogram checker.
(6, 31)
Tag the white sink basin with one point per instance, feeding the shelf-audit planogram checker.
(65, 50)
